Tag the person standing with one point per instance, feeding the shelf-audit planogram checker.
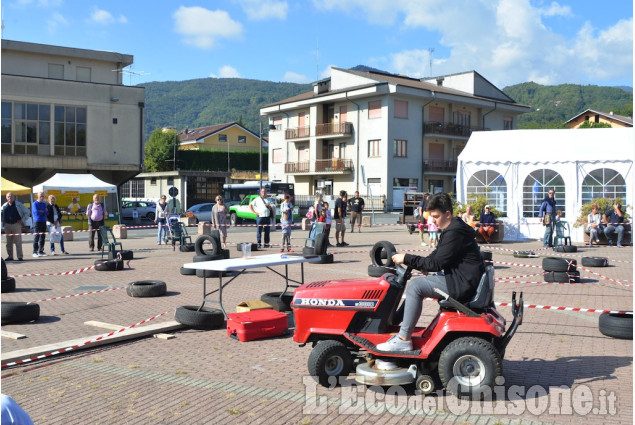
(96, 213)
(357, 208)
(285, 223)
(14, 214)
(261, 207)
(53, 220)
(160, 219)
(219, 218)
(594, 223)
(317, 207)
(614, 219)
(547, 212)
(39, 212)
(328, 220)
(339, 216)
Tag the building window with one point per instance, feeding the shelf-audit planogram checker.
(342, 150)
(374, 109)
(70, 131)
(405, 182)
(435, 114)
(536, 187)
(170, 181)
(242, 139)
(56, 71)
(276, 156)
(83, 73)
(463, 118)
(222, 137)
(26, 128)
(277, 122)
(603, 183)
(401, 148)
(7, 115)
(401, 109)
(490, 184)
(373, 148)
(153, 181)
(134, 188)
(508, 123)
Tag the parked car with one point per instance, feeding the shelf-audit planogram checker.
(240, 212)
(202, 212)
(145, 209)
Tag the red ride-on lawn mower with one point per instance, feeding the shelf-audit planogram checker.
(462, 348)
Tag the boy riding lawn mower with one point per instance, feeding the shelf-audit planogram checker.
(462, 348)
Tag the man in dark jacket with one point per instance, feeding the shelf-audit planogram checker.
(457, 255)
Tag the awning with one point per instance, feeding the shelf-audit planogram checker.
(9, 186)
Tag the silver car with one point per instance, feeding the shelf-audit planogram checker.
(145, 209)
(202, 212)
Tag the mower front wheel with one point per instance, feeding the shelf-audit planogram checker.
(329, 358)
(425, 384)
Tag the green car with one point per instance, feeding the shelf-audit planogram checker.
(240, 212)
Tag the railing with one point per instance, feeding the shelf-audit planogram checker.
(329, 129)
(371, 203)
(450, 128)
(439, 165)
(297, 133)
(297, 167)
(322, 165)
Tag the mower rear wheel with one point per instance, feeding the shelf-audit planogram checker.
(468, 365)
(425, 384)
(329, 358)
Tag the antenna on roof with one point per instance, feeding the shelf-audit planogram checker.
(317, 59)
(130, 73)
(430, 53)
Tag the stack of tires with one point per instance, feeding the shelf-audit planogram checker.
(320, 248)
(8, 283)
(381, 257)
(16, 311)
(207, 253)
(562, 270)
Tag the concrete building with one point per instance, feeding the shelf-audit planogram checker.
(592, 116)
(67, 110)
(360, 130)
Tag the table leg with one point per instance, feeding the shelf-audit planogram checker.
(286, 280)
(220, 294)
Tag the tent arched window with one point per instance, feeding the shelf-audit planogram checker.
(491, 184)
(535, 189)
(603, 183)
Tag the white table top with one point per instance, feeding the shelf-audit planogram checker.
(251, 262)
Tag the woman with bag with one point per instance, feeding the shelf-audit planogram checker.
(53, 219)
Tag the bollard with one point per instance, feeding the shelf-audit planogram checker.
(120, 231)
(306, 224)
(366, 221)
(67, 236)
(188, 221)
(204, 228)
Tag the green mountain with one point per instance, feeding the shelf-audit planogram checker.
(551, 106)
(209, 101)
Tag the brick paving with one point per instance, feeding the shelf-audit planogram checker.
(203, 377)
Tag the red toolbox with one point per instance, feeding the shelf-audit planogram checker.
(256, 324)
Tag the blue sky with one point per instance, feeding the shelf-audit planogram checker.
(507, 41)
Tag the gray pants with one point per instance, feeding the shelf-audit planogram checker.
(417, 290)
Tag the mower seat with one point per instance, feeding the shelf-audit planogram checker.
(484, 296)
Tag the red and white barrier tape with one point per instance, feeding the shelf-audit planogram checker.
(82, 270)
(551, 307)
(619, 282)
(74, 347)
(76, 295)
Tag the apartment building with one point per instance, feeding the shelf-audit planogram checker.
(67, 110)
(381, 133)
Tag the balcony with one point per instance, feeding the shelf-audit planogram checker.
(439, 166)
(297, 133)
(450, 129)
(297, 167)
(333, 165)
(334, 129)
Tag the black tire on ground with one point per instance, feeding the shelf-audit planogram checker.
(557, 264)
(468, 365)
(325, 259)
(617, 325)
(566, 277)
(200, 318)
(201, 258)
(329, 359)
(225, 254)
(8, 285)
(375, 254)
(188, 247)
(273, 299)
(308, 250)
(198, 245)
(17, 312)
(146, 288)
(108, 266)
(125, 255)
(188, 272)
(379, 271)
(320, 244)
(208, 273)
(595, 261)
(215, 233)
(239, 247)
(4, 270)
(566, 248)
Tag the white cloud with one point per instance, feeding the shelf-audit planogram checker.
(55, 21)
(103, 17)
(202, 28)
(505, 40)
(258, 10)
(226, 71)
(292, 77)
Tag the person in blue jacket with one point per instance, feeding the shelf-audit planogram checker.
(39, 210)
(547, 212)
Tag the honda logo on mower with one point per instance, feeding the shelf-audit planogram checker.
(330, 302)
(322, 301)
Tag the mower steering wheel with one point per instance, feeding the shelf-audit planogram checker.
(403, 274)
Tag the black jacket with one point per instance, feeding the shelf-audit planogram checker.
(50, 215)
(459, 256)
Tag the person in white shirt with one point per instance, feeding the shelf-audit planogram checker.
(263, 209)
(594, 224)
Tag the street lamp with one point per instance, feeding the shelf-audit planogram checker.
(270, 127)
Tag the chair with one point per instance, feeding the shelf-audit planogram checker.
(104, 231)
(563, 232)
(480, 302)
(316, 229)
(179, 233)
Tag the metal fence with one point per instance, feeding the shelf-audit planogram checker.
(376, 203)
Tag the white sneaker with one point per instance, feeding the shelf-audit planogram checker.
(35, 255)
(424, 244)
(158, 243)
(395, 344)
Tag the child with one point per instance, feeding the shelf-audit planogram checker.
(432, 229)
(421, 226)
(285, 223)
(327, 220)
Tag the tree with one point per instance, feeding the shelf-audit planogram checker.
(159, 150)
(589, 124)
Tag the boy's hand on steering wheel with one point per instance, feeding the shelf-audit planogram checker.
(398, 258)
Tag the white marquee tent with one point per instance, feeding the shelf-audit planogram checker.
(516, 167)
(82, 183)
